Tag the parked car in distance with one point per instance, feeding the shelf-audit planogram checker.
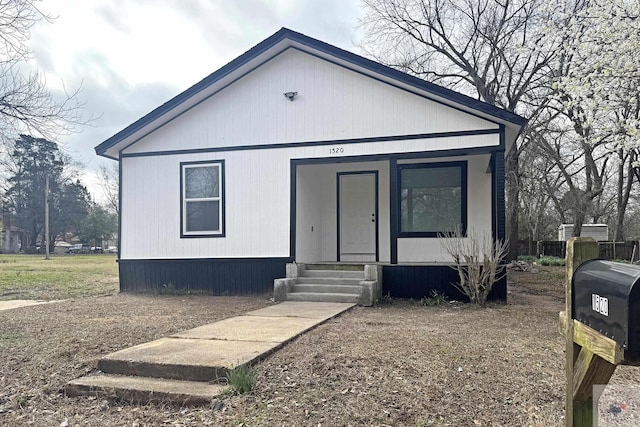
(96, 249)
(79, 248)
(74, 249)
(111, 250)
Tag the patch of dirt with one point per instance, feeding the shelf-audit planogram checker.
(546, 281)
(403, 364)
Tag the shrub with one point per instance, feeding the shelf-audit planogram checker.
(242, 378)
(528, 258)
(477, 259)
(436, 299)
(551, 261)
(385, 299)
(167, 289)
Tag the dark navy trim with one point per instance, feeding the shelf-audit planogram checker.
(338, 217)
(119, 207)
(464, 202)
(292, 208)
(223, 223)
(222, 259)
(393, 213)
(494, 203)
(398, 156)
(318, 143)
(320, 46)
(377, 214)
(500, 190)
(217, 276)
(418, 281)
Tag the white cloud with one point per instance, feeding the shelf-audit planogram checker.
(130, 57)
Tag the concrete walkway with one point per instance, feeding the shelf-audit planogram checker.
(17, 303)
(182, 367)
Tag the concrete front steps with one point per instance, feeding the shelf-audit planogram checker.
(145, 390)
(348, 283)
(190, 367)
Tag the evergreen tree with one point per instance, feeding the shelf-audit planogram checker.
(34, 160)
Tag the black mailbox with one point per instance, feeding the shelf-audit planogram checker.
(606, 297)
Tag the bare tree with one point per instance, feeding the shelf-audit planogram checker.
(582, 166)
(539, 182)
(26, 105)
(484, 48)
(109, 181)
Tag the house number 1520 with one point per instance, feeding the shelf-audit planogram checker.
(336, 150)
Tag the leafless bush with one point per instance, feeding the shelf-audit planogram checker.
(478, 259)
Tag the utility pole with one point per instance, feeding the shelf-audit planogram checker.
(46, 216)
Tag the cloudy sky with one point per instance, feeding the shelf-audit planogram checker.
(131, 56)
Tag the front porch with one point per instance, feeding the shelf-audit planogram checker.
(392, 210)
(387, 214)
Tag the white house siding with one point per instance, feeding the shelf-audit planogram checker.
(333, 103)
(154, 216)
(256, 208)
(478, 212)
(257, 202)
(317, 208)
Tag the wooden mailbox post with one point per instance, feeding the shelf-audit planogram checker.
(591, 356)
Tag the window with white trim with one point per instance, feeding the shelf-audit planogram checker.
(202, 209)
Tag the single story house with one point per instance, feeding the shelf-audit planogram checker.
(10, 238)
(299, 151)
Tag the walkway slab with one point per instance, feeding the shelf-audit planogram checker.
(184, 359)
(312, 310)
(165, 369)
(17, 303)
(252, 328)
(144, 390)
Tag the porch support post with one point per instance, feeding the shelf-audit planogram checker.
(292, 208)
(393, 209)
(499, 206)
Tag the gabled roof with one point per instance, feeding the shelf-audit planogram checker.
(272, 46)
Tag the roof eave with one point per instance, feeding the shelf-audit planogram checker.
(474, 105)
(177, 100)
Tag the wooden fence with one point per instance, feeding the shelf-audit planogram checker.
(608, 250)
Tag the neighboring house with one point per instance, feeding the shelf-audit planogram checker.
(599, 232)
(9, 237)
(300, 151)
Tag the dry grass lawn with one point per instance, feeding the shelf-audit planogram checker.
(62, 276)
(399, 365)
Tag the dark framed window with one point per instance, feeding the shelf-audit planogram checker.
(432, 198)
(202, 199)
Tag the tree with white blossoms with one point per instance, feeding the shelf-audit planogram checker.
(569, 66)
(596, 91)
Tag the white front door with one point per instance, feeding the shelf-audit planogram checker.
(357, 222)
